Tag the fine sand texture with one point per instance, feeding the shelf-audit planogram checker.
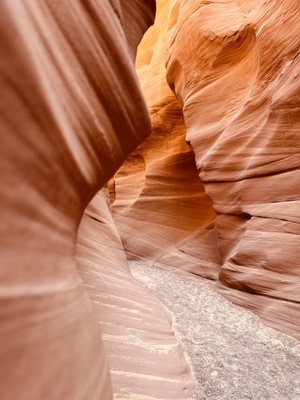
(233, 354)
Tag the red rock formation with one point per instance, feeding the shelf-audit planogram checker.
(159, 203)
(234, 67)
(239, 88)
(145, 358)
(71, 111)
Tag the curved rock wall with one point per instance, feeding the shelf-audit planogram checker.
(159, 203)
(145, 358)
(71, 111)
(234, 67)
(239, 86)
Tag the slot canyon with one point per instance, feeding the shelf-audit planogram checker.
(150, 200)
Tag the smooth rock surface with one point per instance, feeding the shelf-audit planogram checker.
(238, 82)
(146, 360)
(159, 203)
(71, 111)
(234, 67)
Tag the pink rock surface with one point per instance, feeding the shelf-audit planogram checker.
(159, 203)
(234, 68)
(71, 111)
(145, 358)
(239, 87)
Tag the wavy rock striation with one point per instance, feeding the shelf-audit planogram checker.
(234, 67)
(71, 111)
(240, 94)
(159, 203)
(146, 360)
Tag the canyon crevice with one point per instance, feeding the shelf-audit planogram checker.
(189, 159)
(234, 121)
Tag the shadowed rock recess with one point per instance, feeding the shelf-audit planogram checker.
(210, 187)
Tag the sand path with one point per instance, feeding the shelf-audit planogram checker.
(233, 354)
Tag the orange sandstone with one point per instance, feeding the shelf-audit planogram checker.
(71, 111)
(159, 203)
(234, 68)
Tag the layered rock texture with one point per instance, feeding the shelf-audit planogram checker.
(159, 203)
(234, 122)
(214, 190)
(71, 111)
(145, 358)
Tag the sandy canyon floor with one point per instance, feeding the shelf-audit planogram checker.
(233, 354)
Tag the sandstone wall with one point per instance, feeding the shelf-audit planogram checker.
(234, 68)
(159, 203)
(71, 111)
(145, 358)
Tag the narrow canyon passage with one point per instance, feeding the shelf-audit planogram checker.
(158, 130)
(233, 354)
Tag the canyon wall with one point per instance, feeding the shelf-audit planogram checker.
(234, 69)
(71, 111)
(145, 358)
(159, 203)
